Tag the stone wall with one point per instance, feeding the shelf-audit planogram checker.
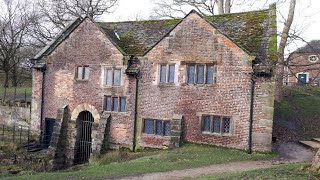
(10, 115)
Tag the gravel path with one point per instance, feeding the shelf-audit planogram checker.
(289, 153)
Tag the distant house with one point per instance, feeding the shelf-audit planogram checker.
(155, 83)
(303, 66)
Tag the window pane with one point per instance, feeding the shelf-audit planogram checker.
(109, 77)
(115, 103)
(216, 124)
(191, 74)
(148, 126)
(226, 125)
(209, 78)
(200, 74)
(86, 73)
(171, 73)
(117, 77)
(163, 73)
(122, 104)
(108, 103)
(79, 72)
(159, 129)
(167, 128)
(206, 123)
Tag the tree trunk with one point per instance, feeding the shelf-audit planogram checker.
(227, 6)
(316, 162)
(220, 4)
(282, 45)
(6, 79)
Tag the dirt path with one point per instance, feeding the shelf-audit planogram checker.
(289, 153)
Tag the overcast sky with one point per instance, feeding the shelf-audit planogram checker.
(307, 17)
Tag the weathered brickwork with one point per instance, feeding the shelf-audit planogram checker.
(87, 45)
(193, 40)
(300, 63)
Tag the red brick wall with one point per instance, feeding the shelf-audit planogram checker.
(194, 40)
(299, 63)
(87, 45)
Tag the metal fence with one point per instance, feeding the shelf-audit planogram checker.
(23, 137)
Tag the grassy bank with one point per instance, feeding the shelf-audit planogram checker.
(21, 92)
(299, 112)
(286, 171)
(188, 156)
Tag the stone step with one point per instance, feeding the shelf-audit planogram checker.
(316, 140)
(311, 144)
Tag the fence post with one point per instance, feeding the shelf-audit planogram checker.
(14, 133)
(20, 133)
(15, 94)
(25, 95)
(28, 138)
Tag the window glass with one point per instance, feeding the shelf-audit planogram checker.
(115, 101)
(122, 104)
(191, 69)
(163, 73)
(167, 128)
(117, 77)
(86, 73)
(108, 103)
(79, 72)
(109, 77)
(171, 73)
(216, 125)
(148, 126)
(209, 78)
(200, 74)
(159, 128)
(226, 125)
(206, 123)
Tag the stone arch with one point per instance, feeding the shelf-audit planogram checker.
(96, 142)
(86, 107)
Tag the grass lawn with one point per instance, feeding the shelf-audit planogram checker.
(301, 108)
(286, 171)
(187, 156)
(20, 93)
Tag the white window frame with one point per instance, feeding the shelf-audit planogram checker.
(307, 76)
(317, 58)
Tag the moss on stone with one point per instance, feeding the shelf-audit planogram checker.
(272, 50)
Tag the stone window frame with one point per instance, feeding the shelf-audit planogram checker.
(221, 117)
(112, 105)
(167, 73)
(104, 75)
(163, 122)
(84, 67)
(195, 64)
(312, 56)
(307, 76)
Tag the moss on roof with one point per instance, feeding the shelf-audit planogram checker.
(249, 30)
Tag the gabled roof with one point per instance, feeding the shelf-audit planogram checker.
(311, 47)
(254, 32)
(248, 30)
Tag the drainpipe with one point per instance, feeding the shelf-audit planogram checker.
(253, 83)
(43, 70)
(135, 115)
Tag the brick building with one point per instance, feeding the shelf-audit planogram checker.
(303, 66)
(154, 83)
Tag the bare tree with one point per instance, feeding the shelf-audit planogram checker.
(178, 8)
(281, 49)
(15, 21)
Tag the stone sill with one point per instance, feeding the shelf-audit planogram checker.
(117, 113)
(218, 135)
(199, 85)
(156, 136)
(82, 80)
